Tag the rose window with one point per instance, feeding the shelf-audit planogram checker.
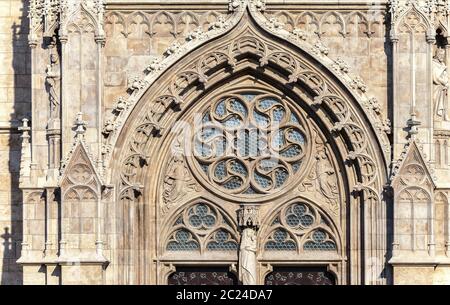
(249, 143)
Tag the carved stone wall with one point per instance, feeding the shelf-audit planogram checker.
(15, 103)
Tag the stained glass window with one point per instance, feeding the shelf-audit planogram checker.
(222, 241)
(279, 241)
(201, 217)
(299, 226)
(182, 241)
(319, 241)
(298, 215)
(202, 225)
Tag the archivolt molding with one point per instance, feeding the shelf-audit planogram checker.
(197, 38)
(156, 68)
(343, 118)
(354, 83)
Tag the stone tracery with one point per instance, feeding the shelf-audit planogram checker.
(202, 227)
(249, 143)
(300, 227)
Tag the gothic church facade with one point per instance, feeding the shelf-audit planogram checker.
(228, 142)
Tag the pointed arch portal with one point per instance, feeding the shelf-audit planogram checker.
(248, 118)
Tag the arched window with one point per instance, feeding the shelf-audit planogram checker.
(302, 228)
(202, 227)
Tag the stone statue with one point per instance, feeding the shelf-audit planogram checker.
(440, 81)
(247, 257)
(53, 84)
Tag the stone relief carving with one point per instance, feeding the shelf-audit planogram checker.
(322, 181)
(435, 11)
(177, 182)
(326, 176)
(49, 15)
(441, 82)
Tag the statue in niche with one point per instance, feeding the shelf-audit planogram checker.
(247, 257)
(440, 81)
(53, 85)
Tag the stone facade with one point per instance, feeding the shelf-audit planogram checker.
(145, 140)
(15, 103)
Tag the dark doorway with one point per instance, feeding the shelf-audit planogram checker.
(299, 276)
(202, 276)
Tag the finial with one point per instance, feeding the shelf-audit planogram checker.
(413, 124)
(25, 127)
(80, 125)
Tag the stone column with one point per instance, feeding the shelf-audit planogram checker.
(100, 40)
(249, 223)
(394, 40)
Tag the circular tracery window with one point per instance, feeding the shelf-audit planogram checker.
(249, 143)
